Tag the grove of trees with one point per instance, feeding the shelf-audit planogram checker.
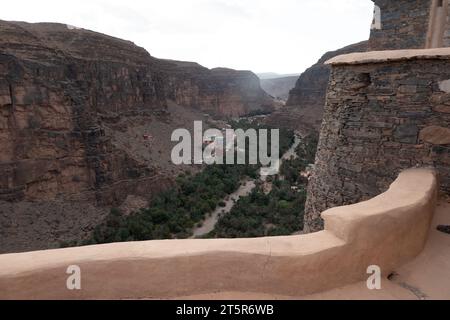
(173, 214)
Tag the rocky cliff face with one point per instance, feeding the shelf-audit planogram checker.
(55, 91)
(304, 108)
(68, 98)
(221, 92)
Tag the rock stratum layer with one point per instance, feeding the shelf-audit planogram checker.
(220, 92)
(68, 99)
(304, 108)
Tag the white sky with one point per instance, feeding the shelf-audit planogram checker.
(283, 36)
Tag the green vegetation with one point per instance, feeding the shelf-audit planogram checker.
(279, 212)
(255, 113)
(287, 136)
(173, 214)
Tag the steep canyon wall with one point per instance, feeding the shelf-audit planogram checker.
(74, 107)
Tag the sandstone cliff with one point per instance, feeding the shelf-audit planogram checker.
(58, 86)
(304, 108)
(75, 107)
(220, 92)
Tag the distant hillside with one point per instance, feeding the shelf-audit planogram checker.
(279, 87)
(273, 75)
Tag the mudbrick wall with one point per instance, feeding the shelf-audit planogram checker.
(221, 92)
(380, 117)
(404, 24)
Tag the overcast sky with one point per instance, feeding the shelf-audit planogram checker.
(283, 36)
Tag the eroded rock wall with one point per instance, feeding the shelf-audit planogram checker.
(221, 92)
(85, 122)
(380, 118)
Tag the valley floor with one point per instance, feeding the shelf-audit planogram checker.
(210, 222)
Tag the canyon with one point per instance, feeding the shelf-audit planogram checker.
(279, 87)
(88, 130)
(85, 124)
(86, 121)
(304, 106)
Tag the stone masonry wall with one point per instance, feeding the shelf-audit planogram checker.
(404, 25)
(380, 118)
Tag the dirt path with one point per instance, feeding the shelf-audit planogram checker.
(248, 185)
(210, 222)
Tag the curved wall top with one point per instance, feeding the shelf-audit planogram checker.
(386, 231)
